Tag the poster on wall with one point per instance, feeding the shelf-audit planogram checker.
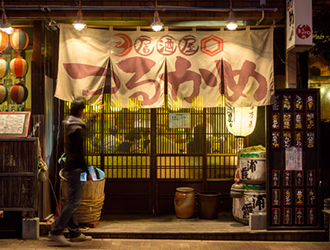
(293, 158)
(14, 124)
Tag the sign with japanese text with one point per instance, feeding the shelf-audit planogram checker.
(299, 24)
(195, 62)
(293, 123)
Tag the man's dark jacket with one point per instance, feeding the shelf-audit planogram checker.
(75, 130)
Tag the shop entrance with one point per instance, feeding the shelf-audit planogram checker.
(147, 153)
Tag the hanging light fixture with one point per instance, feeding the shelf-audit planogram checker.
(157, 25)
(241, 122)
(5, 26)
(79, 24)
(231, 24)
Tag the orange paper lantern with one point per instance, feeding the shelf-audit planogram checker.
(19, 93)
(18, 67)
(19, 40)
(3, 93)
(3, 41)
(3, 67)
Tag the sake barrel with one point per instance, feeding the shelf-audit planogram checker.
(91, 205)
(253, 201)
(252, 166)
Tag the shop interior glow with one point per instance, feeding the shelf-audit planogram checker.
(79, 24)
(241, 121)
(156, 25)
(231, 24)
(5, 26)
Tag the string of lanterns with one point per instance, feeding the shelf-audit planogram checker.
(18, 66)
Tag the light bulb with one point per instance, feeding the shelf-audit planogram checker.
(157, 25)
(231, 25)
(79, 25)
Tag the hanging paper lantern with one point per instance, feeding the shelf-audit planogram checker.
(3, 41)
(241, 121)
(18, 67)
(3, 67)
(3, 93)
(19, 40)
(18, 93)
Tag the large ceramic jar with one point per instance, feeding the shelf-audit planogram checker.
(184, 202)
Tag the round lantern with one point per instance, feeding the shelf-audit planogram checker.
(241, 121)
(3, 41)
(19, 40)
(18, 93)
(3, 93)
(3, 67)
(18, 67)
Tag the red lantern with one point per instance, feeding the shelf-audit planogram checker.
(19, 93)
(3, 93)
(19, 40)
(3, 41)
(18, 67)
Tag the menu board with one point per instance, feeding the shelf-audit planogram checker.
(14, 124)
(293, 139)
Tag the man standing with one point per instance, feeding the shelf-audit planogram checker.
(74, 166)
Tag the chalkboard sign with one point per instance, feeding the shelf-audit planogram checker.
(14, 124)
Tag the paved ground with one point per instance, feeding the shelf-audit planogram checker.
(126, 244)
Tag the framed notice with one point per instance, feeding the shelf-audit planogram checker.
(179, 120)
(14, 124)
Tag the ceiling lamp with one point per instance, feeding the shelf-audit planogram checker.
(5, 26)
(231, 24)
(157, 25)
(79, 24)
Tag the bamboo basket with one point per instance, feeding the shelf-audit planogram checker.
(92, 201)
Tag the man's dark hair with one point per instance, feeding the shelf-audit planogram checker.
(76, 106)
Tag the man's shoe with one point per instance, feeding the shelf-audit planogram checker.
(81, 237)
(60, 239)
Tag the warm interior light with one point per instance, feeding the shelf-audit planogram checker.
(115, 109)
(79, 24)
(157, 25)
(231, 24)
(5, 26)
(241, 121)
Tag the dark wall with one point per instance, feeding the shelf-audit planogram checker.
(325, 159)
(258, 137)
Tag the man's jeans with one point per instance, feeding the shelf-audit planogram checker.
(68, 217)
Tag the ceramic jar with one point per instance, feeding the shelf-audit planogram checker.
(184, 202)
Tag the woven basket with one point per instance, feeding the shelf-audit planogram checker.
(92, 201)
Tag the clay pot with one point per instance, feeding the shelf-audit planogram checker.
(208, 205)
(184, 202)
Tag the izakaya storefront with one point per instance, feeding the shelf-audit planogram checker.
(156, 89)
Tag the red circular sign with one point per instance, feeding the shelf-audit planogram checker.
(303, 31)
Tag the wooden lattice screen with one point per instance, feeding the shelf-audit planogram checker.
(18, 174)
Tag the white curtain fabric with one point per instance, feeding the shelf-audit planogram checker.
(194, 61)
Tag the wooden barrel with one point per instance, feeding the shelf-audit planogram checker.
(92, 201)
(252, 166)
(253, 201)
